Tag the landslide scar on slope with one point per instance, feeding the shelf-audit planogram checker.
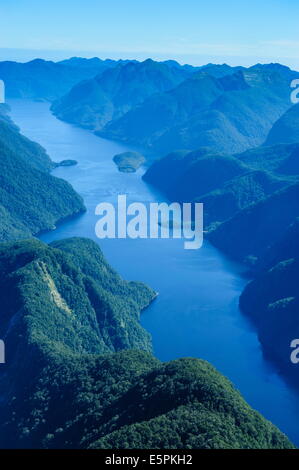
(57, 299)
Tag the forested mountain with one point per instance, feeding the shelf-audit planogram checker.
(30, 152)
(280, 159)
(271, 300)
(68, 314)
(95, 102)
(71, 322)
(229, 111)
(215, 70)
(164, 107)
(286, 129)
(261, 224)
(251, 210)
(47, 80)
(31, 200)
(265, 220)
(225, 184)
(93, 66)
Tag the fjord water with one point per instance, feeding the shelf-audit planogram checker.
(196, 312)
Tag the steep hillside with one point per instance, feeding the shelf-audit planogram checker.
(237, 194)
(30, 152)
(31, 200)
(279, 159)
(93, 66)
(47, 80)
(184, 175)
(286, 128)
(95, 102)
(271, 300)
(261, 225)
(285, 248)
(224, 184)
(68, 314)
(228, 113)
(155, 123)
(199, 172)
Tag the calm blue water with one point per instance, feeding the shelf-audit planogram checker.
(196, 313)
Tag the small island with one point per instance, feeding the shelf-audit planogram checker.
(66, 163)
(128, 162)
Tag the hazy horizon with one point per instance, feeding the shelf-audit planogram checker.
(27, 55)
(194, 32)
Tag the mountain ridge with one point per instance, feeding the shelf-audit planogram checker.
(228, 109)
(32, 200)
(77, 391)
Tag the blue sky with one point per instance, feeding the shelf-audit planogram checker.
(195, 31)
